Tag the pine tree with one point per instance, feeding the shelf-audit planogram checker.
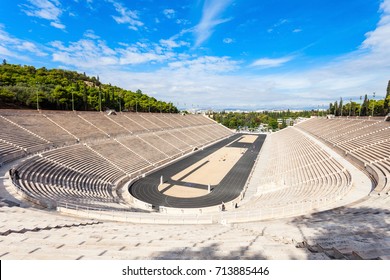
(331, 109)
(365, 105)
(386, 105)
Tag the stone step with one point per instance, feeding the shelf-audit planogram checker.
(371, 254)
(385, 257)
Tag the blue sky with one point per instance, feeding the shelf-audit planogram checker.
(251, 54)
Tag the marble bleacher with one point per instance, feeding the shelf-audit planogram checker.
(297, 171)
(158, 141)
(98, 150)
(20, 138)
(82, 131)
(366, 140)
(43, 127)
(355, 231)
(48, 236)
(358, 231)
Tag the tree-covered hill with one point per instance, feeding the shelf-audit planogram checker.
(24, 86)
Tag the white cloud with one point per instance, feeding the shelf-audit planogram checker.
(133, 55)
(204, 64)
(212, 10)
(379, 39)
(228, 40)
(281, 22)
(88, 3)
(90, 34)
(297, 30)
(126, 16)
(17, 48)
(30, 47)
(5, 52)
(385, 7)
(217, 81)
(271, 62)
(85, 53)
(214, 81)
(183, 21)
(5, 38)
(276, 25)
(57, 25)
(45, 9)
(91, 52)
(171, 43)
(169, 13)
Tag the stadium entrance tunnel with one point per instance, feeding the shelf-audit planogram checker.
(213, 176)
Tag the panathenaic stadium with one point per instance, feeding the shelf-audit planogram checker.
(89, 185)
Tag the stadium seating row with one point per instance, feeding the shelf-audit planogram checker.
(367, 140)
(297, 171)
(48, 236)
(31, 131)
(83, 156)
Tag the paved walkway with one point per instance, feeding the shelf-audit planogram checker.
(7, 190)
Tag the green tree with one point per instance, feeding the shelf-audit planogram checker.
(6, 95)
(365, 106)
(378, 107)
(341, 107)
(284, 124)
(386, 106)
(273, 123)
(336, 108)
(57, 87)
(331, 108)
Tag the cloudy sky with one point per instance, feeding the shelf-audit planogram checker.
(251, 54)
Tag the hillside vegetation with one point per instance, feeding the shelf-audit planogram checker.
(25, 86)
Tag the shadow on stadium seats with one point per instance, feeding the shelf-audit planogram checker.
(347, 233)
(214, 251)
(9, 203)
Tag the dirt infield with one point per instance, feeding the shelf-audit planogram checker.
(248, 139)
(208, 171)
(181, 191)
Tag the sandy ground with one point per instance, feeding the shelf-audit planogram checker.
(248, 139)
(181, 191)
(210, 170)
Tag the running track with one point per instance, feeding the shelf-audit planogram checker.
(146, 189)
